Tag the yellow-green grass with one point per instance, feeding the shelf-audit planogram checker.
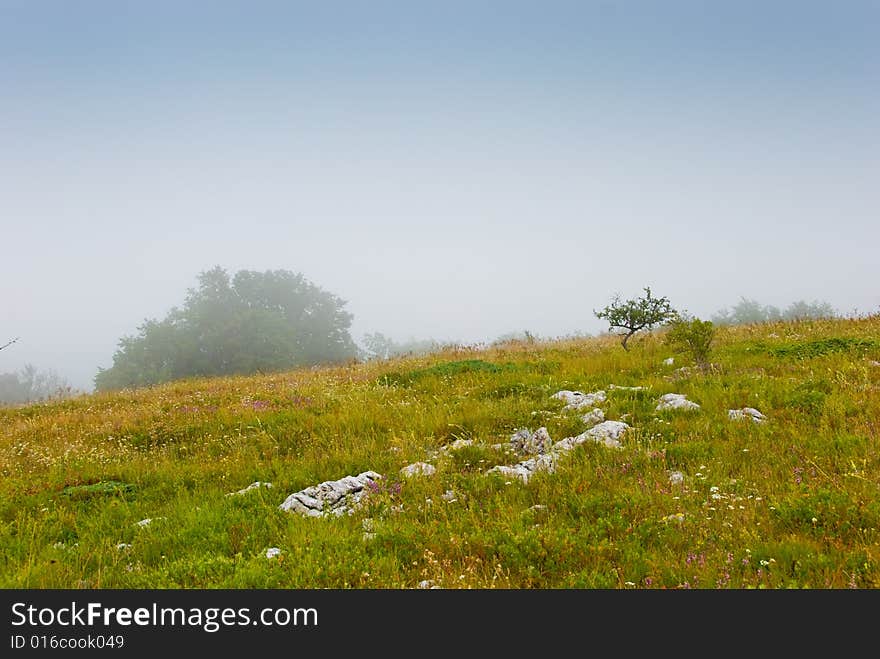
(791, 503)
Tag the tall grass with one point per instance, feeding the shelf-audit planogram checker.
(791, 503)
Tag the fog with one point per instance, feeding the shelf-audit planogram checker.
(454, 171)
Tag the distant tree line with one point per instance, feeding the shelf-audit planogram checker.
(30, 385)
(751, 311)
(251, 322)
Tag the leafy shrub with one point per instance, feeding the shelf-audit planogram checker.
(692, 336)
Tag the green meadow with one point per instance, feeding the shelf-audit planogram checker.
(793, 502)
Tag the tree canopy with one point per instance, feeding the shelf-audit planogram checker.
(748, 311)
(634, 315)
(252, 322)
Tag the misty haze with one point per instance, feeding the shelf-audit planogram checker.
(449, 175)
(417, 295)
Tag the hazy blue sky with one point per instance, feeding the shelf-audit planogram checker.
(455, 170)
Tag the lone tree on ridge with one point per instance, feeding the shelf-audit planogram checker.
(637, 314)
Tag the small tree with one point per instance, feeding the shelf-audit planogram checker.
(692, 336)
(634, 315)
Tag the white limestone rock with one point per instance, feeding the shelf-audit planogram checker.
(676, 478)
(593, 417)
(418, 469)
(331, 497)
(669, 361)
(746, 413)
(256, 485)
(676, 402)
(272, 552)
(607, 433)
(527, 468)
(528, 443)
(577, 400)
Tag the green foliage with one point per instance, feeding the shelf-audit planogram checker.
(822, 347)
(254, 322)
(636, 314)
(808, 397)
(691, 336)
(443, 370)
(101, 488)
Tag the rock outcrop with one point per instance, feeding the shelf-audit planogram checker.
(418, 469)
(746, 413)
(338, 497)
(577, 400)
(525, 442)
(675, 402)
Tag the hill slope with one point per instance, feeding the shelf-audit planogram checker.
(691, 498)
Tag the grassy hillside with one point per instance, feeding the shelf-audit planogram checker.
(793, 502)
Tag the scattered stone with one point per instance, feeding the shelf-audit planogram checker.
(331, 497)
(593, 417)
(527, 468)
(256, 485)
(874, 362)
(272, 552)
(577, 400)
(675, 402)
(746, 413)
(418, 469)
(676, 477)
(525, 442)
(669, 361)
(123, 545)
(149, 520)
(427, 584)
(538, 507)
(607, 432)
(449, 496)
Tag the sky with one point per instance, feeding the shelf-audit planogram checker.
(453, 170)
